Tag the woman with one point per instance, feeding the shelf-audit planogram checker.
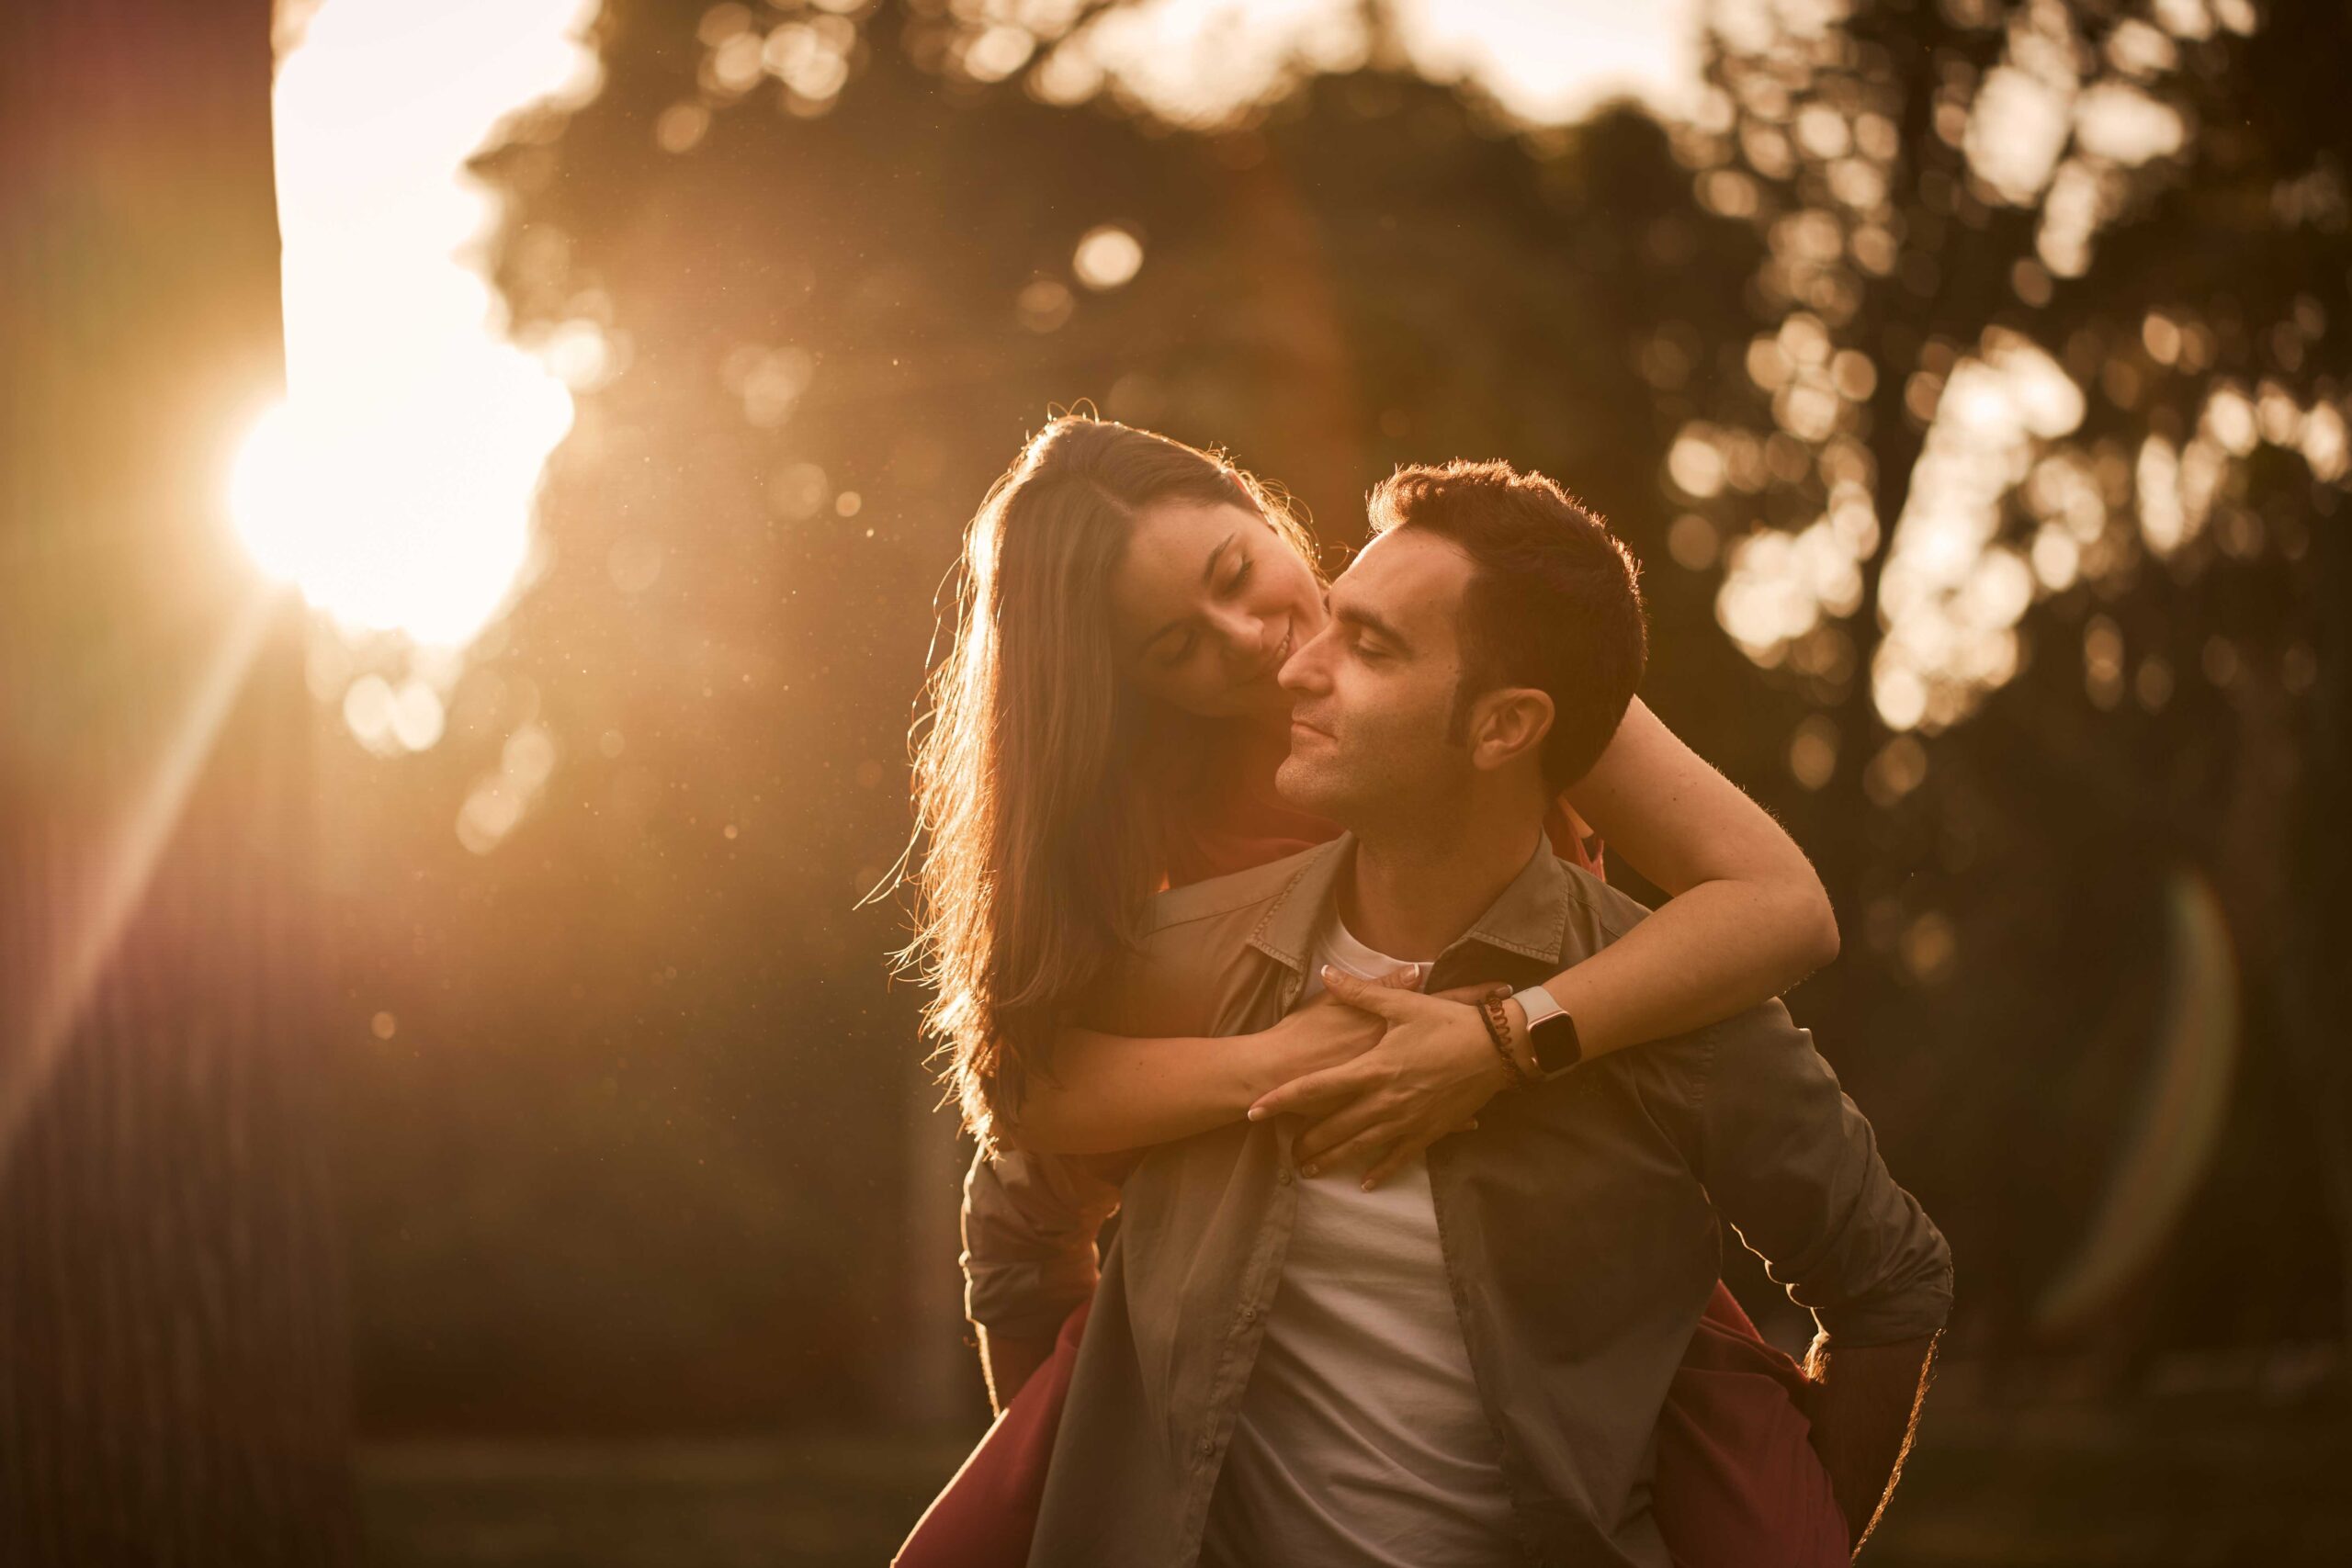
(1107, 723)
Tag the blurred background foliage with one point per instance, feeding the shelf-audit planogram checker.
(1970, 378)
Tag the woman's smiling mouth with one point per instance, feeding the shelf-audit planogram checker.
(1279, 656)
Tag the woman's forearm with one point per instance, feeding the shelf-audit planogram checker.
(1716, 949)
(1112, 1091)
(1746, 918)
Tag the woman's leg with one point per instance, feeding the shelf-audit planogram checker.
(1738, 1485)
(986, 1517)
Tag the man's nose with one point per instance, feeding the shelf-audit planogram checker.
(1303, 670)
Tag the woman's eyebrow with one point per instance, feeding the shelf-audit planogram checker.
(1208, 574)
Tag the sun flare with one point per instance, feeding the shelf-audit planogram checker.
(395, 486)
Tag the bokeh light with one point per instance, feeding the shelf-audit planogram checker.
(1205, 63)
(2017, 492)
(1107, 257)
(1953, 594)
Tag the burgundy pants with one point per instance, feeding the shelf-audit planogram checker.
(1737, 1484)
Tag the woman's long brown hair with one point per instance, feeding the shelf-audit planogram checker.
(1038, 832)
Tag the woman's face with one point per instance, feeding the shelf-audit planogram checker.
(1206, 605)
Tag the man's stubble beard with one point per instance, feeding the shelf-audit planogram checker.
(1367, 800)
(1303, 784)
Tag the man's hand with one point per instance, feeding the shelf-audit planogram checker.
(1008, 1362)
(1865, 1406)
(1433, 1069)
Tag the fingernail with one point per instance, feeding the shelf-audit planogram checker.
(1367, 1184)
(1256, 1113)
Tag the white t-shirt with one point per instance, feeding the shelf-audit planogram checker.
(1360, 1440)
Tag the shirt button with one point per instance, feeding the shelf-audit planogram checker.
(1208, 1447)
(1249, 1315)
(1284, 1177)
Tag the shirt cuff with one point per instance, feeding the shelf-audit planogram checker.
(1914, 1314)
(1027, 1300)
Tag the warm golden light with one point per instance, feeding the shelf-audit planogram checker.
(395, 486)
(1107, 257)
(1209, 63)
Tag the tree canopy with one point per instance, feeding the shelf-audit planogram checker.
(1969, 378)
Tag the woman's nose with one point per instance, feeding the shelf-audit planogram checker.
(1242, 634)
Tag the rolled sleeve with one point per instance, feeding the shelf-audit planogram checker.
(1030, 1221)
(1794, 1166)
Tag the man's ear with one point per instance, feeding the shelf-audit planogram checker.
(1509, 724)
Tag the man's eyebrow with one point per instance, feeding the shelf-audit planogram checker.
(1208, 575)
(1364, 620)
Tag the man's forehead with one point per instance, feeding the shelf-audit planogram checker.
(1407, 579)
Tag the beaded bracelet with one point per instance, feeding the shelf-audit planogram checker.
(1498, 1022)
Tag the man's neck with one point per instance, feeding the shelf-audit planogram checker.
(1413, 890)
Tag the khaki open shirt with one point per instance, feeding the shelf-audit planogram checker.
(1580, 1226)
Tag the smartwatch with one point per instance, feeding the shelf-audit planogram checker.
(1551, 1032)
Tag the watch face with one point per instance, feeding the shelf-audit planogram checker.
(1555, 1043)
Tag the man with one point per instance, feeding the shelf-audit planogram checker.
(1466, 1365)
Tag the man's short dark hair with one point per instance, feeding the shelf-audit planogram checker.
(1554, 603)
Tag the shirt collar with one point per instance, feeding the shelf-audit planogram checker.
(1529, 916)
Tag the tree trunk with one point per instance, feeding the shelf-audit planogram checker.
(173, 1364)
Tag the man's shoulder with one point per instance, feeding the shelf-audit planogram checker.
(1597, 914)
(1239, 893)
(1189, 969)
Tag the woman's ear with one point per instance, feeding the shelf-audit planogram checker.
(1508, 725)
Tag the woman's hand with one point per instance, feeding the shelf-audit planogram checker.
(1114, 1092)
(1432, 1069)
(1331, 1031)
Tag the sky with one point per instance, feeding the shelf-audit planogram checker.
(1590, 51)
(1201, 60)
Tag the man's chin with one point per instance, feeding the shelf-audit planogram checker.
(1310, 785)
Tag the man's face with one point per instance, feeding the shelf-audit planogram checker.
(1374, 690)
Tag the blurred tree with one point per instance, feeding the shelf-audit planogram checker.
(2052, 358)
(174, 1371)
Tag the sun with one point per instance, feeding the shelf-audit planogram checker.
(396, 485)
